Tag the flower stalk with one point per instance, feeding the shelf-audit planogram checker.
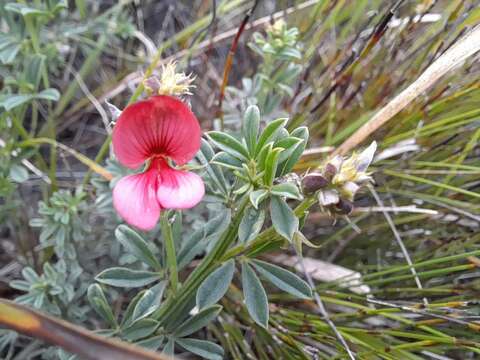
(170, 249)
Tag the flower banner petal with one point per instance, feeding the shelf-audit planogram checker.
(134, 198)
(179, 189)
(160, 125)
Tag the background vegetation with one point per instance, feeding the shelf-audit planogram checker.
(59, 64)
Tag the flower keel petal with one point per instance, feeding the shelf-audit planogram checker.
(134, 198)
(179, 189)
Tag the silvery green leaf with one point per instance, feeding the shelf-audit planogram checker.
(289, 163)
(9, 53)
(226, 160)
(205, 156)
(149, 302)
(99, 303)
(30, 275)
(21, 285)
(128, 313)
(18, 173)
(284, 220)
(251, 125)
(153, 343)
(24, 9)
(251, 224)
(287, 190)
(257, 196)
(271, 164)
(137, 246)
(203, 348)
(124, 277)
(255, 296)
(198, 321)
(140, 329)
(229, 144)
(169, 348)
(283, 279)
(214, 287)
(270, 132)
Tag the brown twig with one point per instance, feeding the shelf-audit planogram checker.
(70, 337)
(229, 60)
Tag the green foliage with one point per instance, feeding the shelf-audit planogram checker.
(255, 296)
(314, 84)
(215, 285)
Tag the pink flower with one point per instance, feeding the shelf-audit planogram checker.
(154, 131)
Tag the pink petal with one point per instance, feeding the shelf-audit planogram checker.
(179, 189)
(160, 125)
(134, 198)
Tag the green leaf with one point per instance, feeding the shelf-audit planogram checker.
(169, 347)
(283, 279)
(24, 10)
(128, 313)
(289, 144)
(18, 173)
(271, 164)
(48, 94)
(227, 160)
(288, 164)
(124, 277)
(99, 303)
(33, 69)
(255, 296)
(203, 348)
(140, 329)
(135, 245)
(257, 196)
(9, 52)
(251, 125)
(262, 156)
(149, 302)
(288, 190)
(229, 144)
(269, 132)
(251, 224)
(205, 156)
(215, 285)
(153, 343)
(10, 102)
(197, 321)
(283, 218)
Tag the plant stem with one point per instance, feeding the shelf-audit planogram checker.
(170, 248)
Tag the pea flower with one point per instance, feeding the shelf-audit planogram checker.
(157, 132)
(340, 179)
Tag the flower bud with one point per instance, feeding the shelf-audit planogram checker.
(344, 207)
(313, 182)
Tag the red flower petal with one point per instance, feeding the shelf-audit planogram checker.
(134, 198)
(179, 189)
(160, 125)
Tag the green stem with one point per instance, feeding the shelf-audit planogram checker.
(170, 247)
(174, 307)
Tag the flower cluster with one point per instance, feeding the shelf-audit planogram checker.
(170, 82)
(340, 179)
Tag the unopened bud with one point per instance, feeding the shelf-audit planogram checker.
(344, 207)
(313, 182)
(329, 172)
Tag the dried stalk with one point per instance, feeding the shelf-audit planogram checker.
(467, 46)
